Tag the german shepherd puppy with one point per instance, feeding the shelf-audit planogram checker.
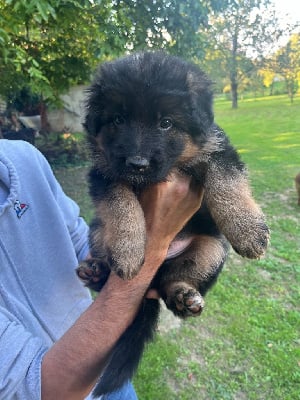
(148, 114)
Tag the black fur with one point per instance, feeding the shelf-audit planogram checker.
(147, 115)
(119, 370)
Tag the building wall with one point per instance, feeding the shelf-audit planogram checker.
(70, 117)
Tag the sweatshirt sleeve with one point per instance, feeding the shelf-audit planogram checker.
(21, 358)
(77, 227)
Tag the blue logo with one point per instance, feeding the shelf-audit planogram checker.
(20, 208)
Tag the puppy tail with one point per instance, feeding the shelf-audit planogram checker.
(128, 351)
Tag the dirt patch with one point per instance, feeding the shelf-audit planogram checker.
(288, 198)
(167, 320)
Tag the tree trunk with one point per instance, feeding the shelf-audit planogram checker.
(45, 126)
(233, 70)
(234, 94)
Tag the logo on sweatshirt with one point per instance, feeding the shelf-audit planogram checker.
(20, 208)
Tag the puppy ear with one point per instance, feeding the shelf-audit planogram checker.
(201, 97)
(93, 114)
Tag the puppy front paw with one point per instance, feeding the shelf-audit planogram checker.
(128, 265)
(93, 273)
(252, 240)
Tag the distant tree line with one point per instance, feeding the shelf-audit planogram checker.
(46, 46)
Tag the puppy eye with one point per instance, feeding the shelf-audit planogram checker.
(119, 119)
(166, 123)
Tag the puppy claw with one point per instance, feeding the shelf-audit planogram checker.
(253, 243)
(126, 272)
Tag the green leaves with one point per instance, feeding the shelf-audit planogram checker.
(46, 46)
(39, 10)
(49, 45)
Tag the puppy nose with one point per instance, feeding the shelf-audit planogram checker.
(137, 162)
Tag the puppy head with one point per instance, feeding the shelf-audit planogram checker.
(146, 114)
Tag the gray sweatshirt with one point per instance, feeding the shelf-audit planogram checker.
(42, 238)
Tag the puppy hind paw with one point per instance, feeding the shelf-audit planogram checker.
(93, 273)
(186, 302)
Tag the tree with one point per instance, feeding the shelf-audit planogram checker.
(268, 77)
(48, 45)
(286, 62)
(284, 65)
(244, 30)
(175, 25)
(218, 67)
(45, 47)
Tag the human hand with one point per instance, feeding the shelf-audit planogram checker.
(169, 205)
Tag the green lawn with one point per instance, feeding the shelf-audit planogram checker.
(246, 343)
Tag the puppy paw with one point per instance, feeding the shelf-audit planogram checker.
(252, 242)
(129, 267)
(185, 301)
(93, 273)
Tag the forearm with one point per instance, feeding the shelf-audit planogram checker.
(72, 366)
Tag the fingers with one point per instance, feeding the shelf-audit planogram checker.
(169, 205)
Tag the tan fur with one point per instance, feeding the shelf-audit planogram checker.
(190, 151)
(212, 144)
(236, 213)
(193, 154)
(124, 233)
(207, 251)
(180, 279)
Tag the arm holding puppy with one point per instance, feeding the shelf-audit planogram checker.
(71, 367)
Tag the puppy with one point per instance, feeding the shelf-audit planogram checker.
(148, 114)
(297, 184)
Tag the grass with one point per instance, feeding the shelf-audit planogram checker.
(246, 343)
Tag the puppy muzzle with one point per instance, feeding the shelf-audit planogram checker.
(137, 163)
